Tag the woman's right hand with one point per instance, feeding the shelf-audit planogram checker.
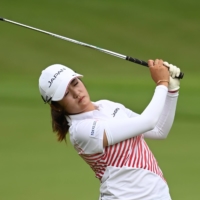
(159, 72)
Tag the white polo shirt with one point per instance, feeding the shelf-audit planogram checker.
(127, 170)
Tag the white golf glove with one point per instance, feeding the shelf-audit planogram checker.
(174, 71)
(174, 84)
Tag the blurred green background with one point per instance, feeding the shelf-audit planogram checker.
(33, 165)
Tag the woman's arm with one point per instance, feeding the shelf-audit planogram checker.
(119, 130)
(166, 119)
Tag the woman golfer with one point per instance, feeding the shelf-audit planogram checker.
(111, 137)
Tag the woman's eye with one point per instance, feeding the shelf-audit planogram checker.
(66, 94)
(75, 83)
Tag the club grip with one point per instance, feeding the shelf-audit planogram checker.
(141, 62)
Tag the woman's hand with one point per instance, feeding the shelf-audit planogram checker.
(159, 73)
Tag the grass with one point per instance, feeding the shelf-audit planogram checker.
(35, 166)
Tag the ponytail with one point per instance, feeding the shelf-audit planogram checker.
(59, 123)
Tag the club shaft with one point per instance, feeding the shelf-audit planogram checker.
(135, 60)
(68, 39)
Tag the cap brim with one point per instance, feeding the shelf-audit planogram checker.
(60, 92)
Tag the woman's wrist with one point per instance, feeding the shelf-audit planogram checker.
(175, 91)
(163, 82)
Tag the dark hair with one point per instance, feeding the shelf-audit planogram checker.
(59, 123)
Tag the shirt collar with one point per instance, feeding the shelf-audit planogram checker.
(85, 115)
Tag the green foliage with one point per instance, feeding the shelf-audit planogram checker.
(35, 166)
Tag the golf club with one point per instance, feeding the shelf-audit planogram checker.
(135, 60)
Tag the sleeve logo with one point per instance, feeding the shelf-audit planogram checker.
(93, 128)
(115, 111)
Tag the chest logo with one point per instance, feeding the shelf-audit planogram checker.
(115, 112)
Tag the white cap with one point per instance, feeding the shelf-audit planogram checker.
(54, 81)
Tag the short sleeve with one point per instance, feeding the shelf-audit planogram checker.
(87, 136)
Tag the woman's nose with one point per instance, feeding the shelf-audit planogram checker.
(76, 94)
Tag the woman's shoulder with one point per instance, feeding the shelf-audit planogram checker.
(109, 103)
(106, 101)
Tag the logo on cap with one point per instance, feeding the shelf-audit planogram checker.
(55, 76)
(47, 99)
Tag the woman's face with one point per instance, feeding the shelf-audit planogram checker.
(76, 99)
